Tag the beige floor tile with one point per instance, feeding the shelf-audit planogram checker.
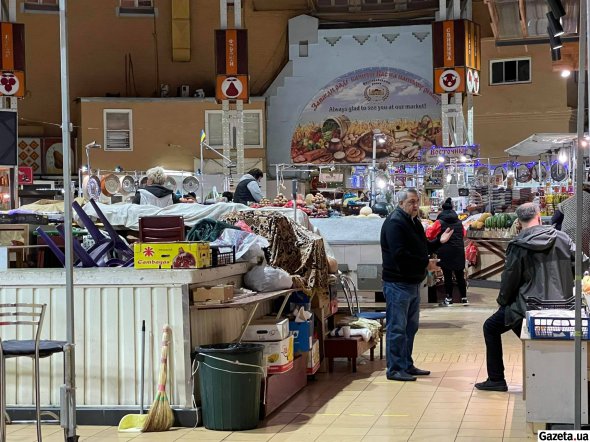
(496, 418)
(335, 430)
(242, 435)
(475, 432)
(483, 425)
(388, 438)
(396, 422)
(439, 435)
(396, 432)
(443, 424)
(204, 434)
(339, 438)
(477, 439)
(314, 419)
(304, 430)
(348, 421)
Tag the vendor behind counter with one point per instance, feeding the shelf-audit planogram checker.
(155, 193)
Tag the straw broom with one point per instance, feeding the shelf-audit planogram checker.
(160, 416)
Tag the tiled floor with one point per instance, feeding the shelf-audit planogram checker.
(367, 407)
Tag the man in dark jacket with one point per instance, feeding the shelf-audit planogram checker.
(405, 252)
(539, 263)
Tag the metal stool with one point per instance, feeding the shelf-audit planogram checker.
(17, 315)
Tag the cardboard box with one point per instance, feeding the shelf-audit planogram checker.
(172, 255)
(216, 294)
(302, 335)
(313, 357)
(267, 329)
(278, 355)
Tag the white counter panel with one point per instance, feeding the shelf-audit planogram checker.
(107, 334)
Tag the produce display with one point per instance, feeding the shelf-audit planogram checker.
(487, 221)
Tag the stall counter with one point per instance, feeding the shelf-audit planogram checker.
(110, 304)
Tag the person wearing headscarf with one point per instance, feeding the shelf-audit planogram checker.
(452, 253)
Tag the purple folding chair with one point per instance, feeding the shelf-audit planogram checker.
(89, 225)
(97, 256)
(52, 246)
(120, 245)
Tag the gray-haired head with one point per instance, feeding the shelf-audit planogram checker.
(527, 212)
(402, 195)
(156, 175)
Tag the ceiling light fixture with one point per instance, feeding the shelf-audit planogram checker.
(565, 73)
(555, 54)
(555, 27)
(554, 41)
(556, 8)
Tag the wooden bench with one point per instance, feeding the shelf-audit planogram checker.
(350, 348)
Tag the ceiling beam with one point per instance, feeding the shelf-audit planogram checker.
(493, 16)
(522, 10)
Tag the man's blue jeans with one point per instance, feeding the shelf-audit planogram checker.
(403, 316)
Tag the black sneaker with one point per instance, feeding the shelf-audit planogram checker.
(448, 301)
(489, 385)
(464, 301)
(414, 371)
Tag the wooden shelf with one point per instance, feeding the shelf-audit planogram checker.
(246, 300)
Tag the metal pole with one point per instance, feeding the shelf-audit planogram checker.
(373, 167)
(578, 177)
(68, 402)
(202, 175)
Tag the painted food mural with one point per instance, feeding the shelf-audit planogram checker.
(395, 107)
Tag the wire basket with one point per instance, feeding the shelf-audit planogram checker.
(223, 255)
(555, 328)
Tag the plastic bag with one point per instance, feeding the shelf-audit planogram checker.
(471, 252)
(264, 278)
(248, 245)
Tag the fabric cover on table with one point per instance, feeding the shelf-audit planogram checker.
(292, 247)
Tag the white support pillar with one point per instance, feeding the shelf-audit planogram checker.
(223, 14)
(226, 117)
(238, 14)
(470, 128)
(239, 125)
(459, 121)
(444, 102)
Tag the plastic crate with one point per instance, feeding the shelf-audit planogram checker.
(555, 328)
(219, 258)
(533, 303)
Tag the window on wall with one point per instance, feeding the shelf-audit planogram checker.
(510, 71)
(41, 6)
(252, 128)
(118, 129)
(136, 7)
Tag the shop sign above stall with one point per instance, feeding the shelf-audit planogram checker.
(433, 154)
(231, 62)
(12, 61)
(395, 108)
(456, 56)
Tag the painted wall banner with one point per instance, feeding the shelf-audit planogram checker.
(341, 120)
(231, 52)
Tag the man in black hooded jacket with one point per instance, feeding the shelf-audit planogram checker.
(539, 263)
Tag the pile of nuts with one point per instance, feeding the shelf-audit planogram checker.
(265, 202)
